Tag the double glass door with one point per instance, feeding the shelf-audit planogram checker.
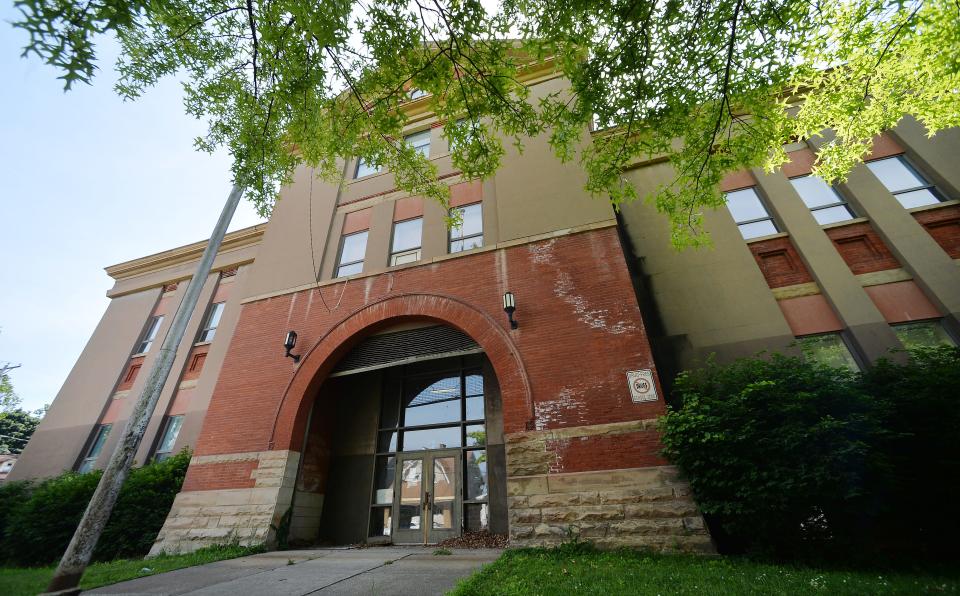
(428, 500)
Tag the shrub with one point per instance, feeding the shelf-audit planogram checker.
(775, 449)
(921, 451)
(790, 457)
(39, 526)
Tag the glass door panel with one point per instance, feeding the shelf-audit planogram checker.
(444, 492)
(409, 500)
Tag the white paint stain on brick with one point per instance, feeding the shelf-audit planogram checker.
(597, 318)
(568, 408)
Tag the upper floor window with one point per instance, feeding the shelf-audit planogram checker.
(904, 182)
(469, 234)
(415, 93)
(750, 213)
(407, 238)
(103, 431)
(150, 334)
(420, 141)
(353, 247)
(212, 322)
(170, 433)
(365, 169)
(922, 334)
(825, 203)
(828, 349)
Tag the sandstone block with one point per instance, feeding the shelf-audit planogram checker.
(520, 501)
(560, 514)
(547, 530)
(660, 509)
(599, 512)
(527, 486)
(525, 516)
(694, 524)
(556, 500)
(646, 527)
(518, 532)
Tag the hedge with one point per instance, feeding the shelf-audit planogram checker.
(37, 520)
(791, 458)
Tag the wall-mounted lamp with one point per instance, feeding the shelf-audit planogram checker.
(510, 305)
(289, 344)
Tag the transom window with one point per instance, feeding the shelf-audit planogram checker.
(407, 238)
(749, 212)
(353, 247)
(904, 182)
(150, 334)
(420, 141)
(170, 432)
(366, 169)
(103, 431)
(828, 349)
(469, 234)
(212, 322)
(923, 334)
(441, 410)
(825, 203)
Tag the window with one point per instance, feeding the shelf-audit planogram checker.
(826, 205)
(751, 216)
(170, 432)
(420, 141)
(150, 334)
(469, 234)
(441, 410)
(828, 349)
(415, 93)
(95, 448)
(406, 241)
(922, 334)
(365, 169)
(904, 182)
(352, 250)
(213, 320)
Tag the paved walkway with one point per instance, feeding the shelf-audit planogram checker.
(413, 571)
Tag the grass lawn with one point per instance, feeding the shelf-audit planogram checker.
(581, 571)
(17, 581)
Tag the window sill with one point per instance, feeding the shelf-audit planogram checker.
(767, 237)
(846, 222)
(202, 343)
(139, 355)
(939, 205)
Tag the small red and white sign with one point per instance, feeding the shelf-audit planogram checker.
(642, 386)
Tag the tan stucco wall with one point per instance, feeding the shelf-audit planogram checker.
(63, 432)
(710, 300)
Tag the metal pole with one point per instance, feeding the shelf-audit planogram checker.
(78, 554)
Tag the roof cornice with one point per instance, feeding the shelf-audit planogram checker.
(184, 254)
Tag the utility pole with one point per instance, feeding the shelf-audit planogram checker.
(66, 579)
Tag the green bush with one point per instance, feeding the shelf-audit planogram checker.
(921, 487)
(43, 517)
(789, 457)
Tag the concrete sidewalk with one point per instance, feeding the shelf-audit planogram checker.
(392, 570)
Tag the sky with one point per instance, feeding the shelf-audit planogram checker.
(86, 181)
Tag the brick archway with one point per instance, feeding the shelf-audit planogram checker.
(319, 360)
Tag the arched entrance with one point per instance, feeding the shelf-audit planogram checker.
(401, 433)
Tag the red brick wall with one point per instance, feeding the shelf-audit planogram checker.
(862, 249)
(780, 263)
(944, 226)
(218, 475)
(580, 331)
(583, 454)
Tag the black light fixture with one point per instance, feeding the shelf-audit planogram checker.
(510, 305)
(289, 344)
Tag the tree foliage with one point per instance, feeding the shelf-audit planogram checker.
(713, 86)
